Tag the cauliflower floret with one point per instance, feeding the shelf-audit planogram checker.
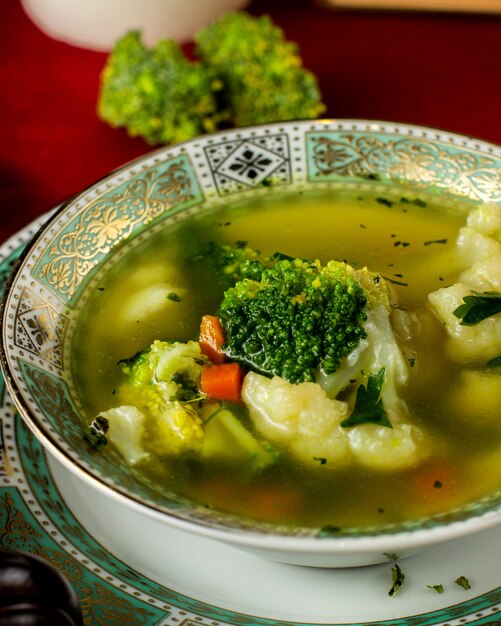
(479, 248)
(481, 237)
(148, 302)
(169, 360)
(176, 429)
(160, 381)
(304, 419)
(484, 275)
(473, 246)
(486, 219)
(387, 449)
(299, 416)
(125, 431)
(466, 343)
(379, 349)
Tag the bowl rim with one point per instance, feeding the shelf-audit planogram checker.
(421, 536)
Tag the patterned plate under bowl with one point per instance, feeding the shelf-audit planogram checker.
(58, 269)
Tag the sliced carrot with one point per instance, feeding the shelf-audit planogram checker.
(211, 338)
(436, 481)
(222, 382)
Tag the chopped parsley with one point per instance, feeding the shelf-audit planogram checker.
(432, 241)
(322, 460)
(416, 201)
(463, 582)
(329, 530)
(174, 297)
(396, 282)
(437, 484)
(495, 362)
(96, 433)
(398, 579)
(437, 588)
(368, 404)
(478, 307)
(385, 202)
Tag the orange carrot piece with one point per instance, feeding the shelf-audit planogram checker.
(222, 382)
(211, 338)
(435, 481)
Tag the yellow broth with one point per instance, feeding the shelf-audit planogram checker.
(411, 244)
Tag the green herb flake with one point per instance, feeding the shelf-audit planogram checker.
(411, 361)
(174, 297)
(322, 460)
(495, 362)
(329, 530)
(101, 289)
(96, 433)
(362, 226)
(384, 201)
(420, 203)
(433, 241)
(396, 282)
(398, 579)
(368, 404)
(478, 307)
(392, 556)
(437, 484)
(463, 582)
(437, 588)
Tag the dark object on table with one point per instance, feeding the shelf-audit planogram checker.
(34, 593)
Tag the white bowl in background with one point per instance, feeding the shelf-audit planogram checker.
(97, 24)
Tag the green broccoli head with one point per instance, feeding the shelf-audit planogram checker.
(261, 73)
(233, 263)
(299, 318)
(157, 94)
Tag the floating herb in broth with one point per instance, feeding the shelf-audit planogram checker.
(161, 289)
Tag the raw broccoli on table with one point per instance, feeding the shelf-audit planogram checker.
(157, 94)
(246, 72)
(261, 72)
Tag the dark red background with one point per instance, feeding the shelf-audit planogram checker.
(434, 69)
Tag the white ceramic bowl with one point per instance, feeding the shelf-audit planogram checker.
(97, 24)
(49, 286)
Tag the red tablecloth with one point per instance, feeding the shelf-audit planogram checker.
(435, 69)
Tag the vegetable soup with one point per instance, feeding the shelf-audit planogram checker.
(307, 359)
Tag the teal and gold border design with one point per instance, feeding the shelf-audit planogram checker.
(109, 218)
(351, 155)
